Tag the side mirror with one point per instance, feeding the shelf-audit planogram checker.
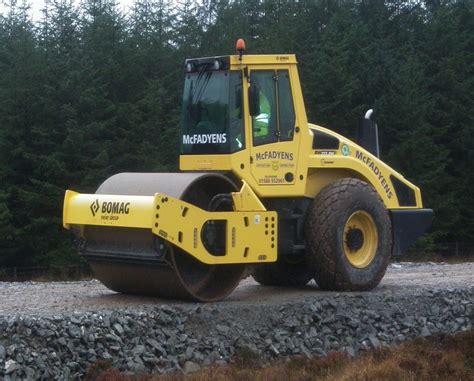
(254, 100)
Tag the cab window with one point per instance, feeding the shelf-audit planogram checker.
(236, 122)
(212, 120)
(264, 124)
(276, 118)
(285, 103)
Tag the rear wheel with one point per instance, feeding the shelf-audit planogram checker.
(348, 236)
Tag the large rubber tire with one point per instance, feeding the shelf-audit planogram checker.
(283, 273)
(327, 239)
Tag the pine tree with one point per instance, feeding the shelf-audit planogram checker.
(450, 78)
(22, 146)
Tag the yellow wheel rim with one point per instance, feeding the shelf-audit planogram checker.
(360, 239)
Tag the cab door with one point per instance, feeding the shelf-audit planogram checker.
(274, 146)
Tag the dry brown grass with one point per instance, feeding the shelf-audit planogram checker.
(436, 358)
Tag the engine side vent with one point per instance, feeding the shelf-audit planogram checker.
(405, 195)
(322, 140)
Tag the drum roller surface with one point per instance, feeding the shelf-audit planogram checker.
(126, 260)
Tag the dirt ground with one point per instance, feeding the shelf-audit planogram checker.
(53, 298)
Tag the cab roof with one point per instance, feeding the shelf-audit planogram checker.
(225, 62)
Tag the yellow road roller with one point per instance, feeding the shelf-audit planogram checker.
(260, 189)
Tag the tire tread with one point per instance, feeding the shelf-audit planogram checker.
(328, 271)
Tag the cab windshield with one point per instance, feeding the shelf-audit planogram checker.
(212, 113)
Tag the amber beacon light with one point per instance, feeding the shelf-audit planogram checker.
(240, 46)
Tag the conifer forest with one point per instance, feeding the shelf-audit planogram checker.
(88, 90)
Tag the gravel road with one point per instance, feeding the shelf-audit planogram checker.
(52, 298)
(55, 331)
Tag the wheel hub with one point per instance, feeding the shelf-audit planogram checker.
(360, 239)
(354, 239)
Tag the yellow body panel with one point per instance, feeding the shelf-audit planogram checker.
(107, 210)
(246, 199)
(250, 236)
(351, 160)
(262, 59)
(250, 232)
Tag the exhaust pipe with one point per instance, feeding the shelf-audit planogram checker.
(367, 135)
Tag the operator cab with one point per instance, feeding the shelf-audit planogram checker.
(212, 113)
(212, 121)
(245, 114)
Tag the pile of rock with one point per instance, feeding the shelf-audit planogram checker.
(186, 337)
